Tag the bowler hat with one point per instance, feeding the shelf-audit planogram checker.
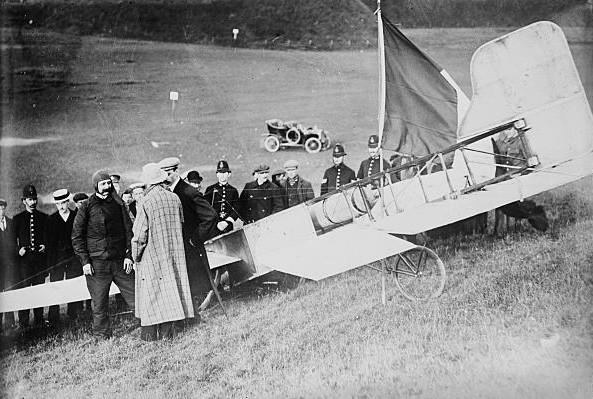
(169, 163)
(262, 168)
(153, 174)
(193, 176)
(61, 195)
(339, 151)
(29, 191)
(222, 167)
(373, 141)
(79, 197)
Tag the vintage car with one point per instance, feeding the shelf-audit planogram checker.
(294, 134)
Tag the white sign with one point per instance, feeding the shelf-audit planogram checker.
(173, 96)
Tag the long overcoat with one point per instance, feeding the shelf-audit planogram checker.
(162, 285)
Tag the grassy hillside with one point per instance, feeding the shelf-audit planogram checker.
(312, 24)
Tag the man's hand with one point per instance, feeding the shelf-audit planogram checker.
(128, 265)
(222, 225)
(22, 251)
(87, 270)
(42, 248)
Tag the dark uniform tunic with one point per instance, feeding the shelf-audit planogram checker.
(8, 262)
(224, 198)
(335, 177)
(61, 258)
(29, 229)
(259, 201)
(369, 167)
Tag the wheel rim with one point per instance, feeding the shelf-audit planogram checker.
(313, 145)
(418, 274)
(272, 144)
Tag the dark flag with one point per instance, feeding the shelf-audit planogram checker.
(421, 102)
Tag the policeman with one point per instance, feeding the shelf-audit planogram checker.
(261, 197)
(30, 226)
(339, 174)
(371, 165)
(224, 198)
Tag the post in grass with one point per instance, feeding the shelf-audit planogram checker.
(174, 97)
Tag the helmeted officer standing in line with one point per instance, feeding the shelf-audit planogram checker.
(371, 165)
(29, 227)
(339, 174)
(260, 198)
(224, 198)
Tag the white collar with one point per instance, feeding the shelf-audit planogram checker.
(174, 184)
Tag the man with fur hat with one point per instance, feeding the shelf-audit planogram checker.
(261, 197)
(199, 225)
(339, 174)
(8, 260)
(163, 296)
(30, 226)
(101, 237)
(224, 198)
(61, 259)
(295, 190)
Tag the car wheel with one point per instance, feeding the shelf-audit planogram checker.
(271, 143)
(313, 145)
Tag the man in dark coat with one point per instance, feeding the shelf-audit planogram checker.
(199, 225)
(61, 259)
(295, 190)
(8, 259)
(101, 237)
(29, 227)
(224, 198)
(371, 165)
(260, 198)
(339, 174)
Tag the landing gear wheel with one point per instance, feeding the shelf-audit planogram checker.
(419, 273)
(313, 145)
(271, 143)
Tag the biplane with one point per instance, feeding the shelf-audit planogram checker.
(525, 88)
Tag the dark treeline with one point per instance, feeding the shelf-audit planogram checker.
(321, 24)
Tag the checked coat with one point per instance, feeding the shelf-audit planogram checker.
(162, 284)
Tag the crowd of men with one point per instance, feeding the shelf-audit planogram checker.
(147, 239)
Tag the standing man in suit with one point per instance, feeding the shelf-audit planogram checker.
(294, 188)
(224, 198)
(199, 225)
(60, 254)
(261, 197)
(30, 226)
(8, 259)
(339, 174)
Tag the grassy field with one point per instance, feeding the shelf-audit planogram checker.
(515, 319)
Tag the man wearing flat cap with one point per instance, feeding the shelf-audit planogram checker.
(8, 260)
(79, 199)
(224, 198)
(61, 260)
(163, 295)
(261, 197)
(30, 228)
(101, 237)
(295, 190)
(339, 174)
(199, 225)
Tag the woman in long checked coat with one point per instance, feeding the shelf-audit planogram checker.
(163, 297)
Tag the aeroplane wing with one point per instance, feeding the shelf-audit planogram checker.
(335, 252)
(37, 296)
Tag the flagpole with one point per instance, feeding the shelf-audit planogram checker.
(381, 119)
